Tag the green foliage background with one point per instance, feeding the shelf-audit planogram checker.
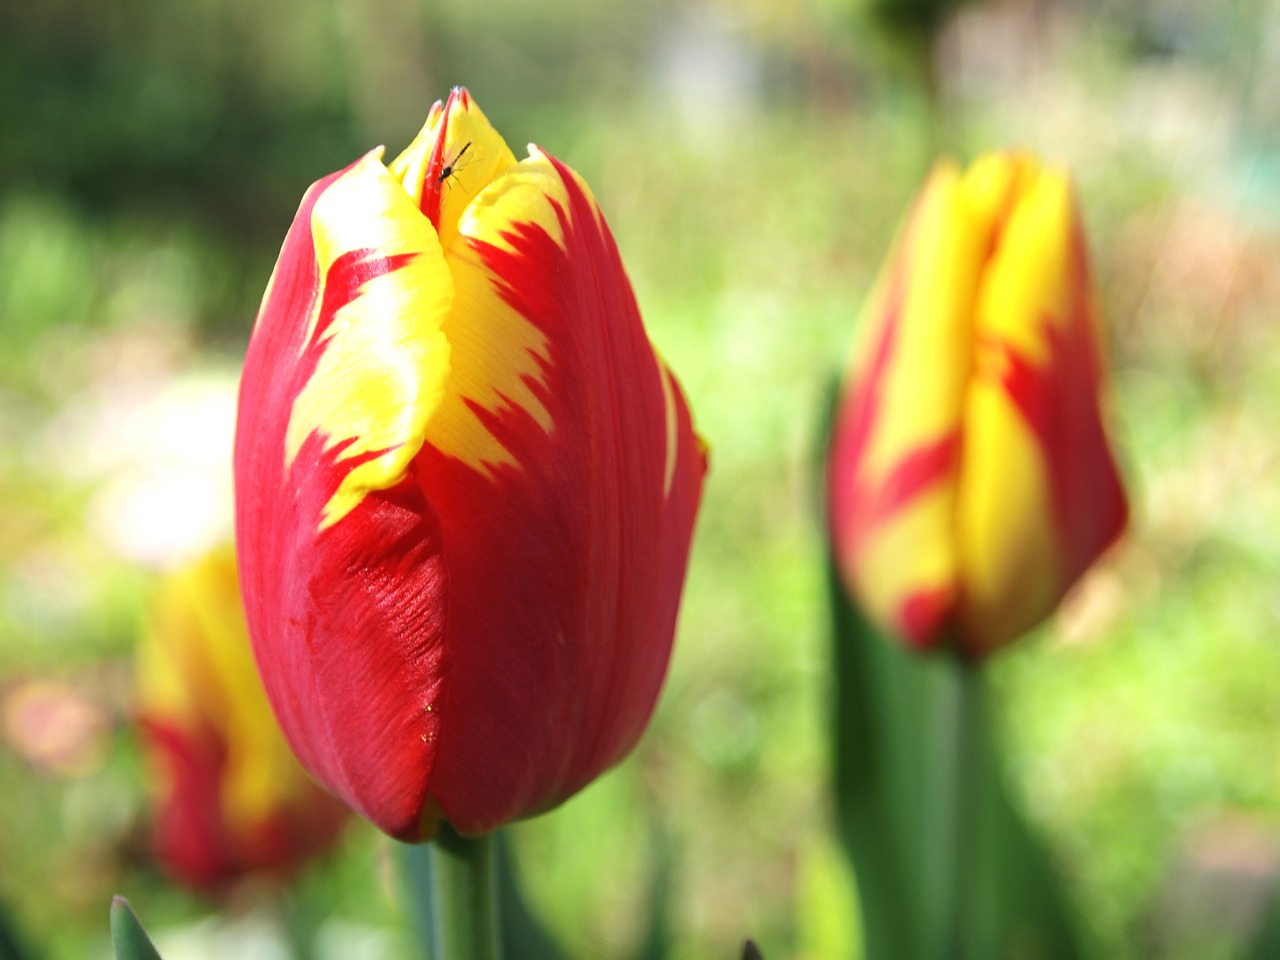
(753, 159)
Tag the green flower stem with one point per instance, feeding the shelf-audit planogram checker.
(948, 832)
(453, 886)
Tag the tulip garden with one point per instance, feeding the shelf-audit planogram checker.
(819, 499)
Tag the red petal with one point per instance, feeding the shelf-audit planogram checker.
(566, 564)
(346, 620)
(1060, 401)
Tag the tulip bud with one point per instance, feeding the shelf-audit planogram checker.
(229, 797)
(970, 482)
(465, 485)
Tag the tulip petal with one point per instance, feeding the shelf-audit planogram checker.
(1042, 496)
(897, 441)
(565, 472)
(346, 365)
(449, 162)
(374, 358)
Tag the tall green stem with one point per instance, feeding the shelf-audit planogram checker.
(453, 883)
(948, 831)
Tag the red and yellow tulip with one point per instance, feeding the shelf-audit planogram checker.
(228, 796)
(970, 481)
(465, 485)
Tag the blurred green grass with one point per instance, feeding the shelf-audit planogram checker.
(1141, 727)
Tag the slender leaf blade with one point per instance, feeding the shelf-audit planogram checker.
(127, 936)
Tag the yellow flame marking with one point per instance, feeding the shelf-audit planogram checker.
(499, 357)
(673, 426)
(385, 361)
(411, 357)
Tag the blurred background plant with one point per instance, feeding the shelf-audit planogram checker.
(753, 158)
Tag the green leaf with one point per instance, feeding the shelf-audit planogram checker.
(127, 936)
(879, 779)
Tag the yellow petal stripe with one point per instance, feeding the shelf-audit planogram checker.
(473, 154)
(934, 273)
(384, 359)
(1005, 519)
(501, 360)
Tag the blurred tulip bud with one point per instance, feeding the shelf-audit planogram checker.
(970, 482)
(229, 797)
(466, 485)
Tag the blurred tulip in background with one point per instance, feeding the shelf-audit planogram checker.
(971, 482)
(228, 796)
(466, 485)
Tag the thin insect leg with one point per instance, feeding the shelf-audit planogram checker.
(450, 168)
